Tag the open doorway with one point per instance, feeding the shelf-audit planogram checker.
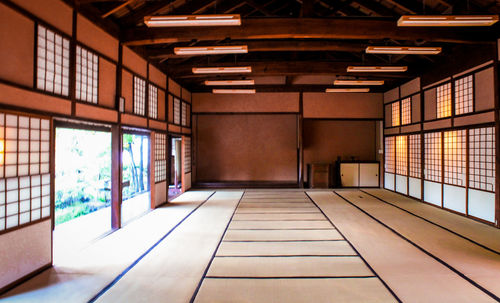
(82, 196)
(136, 195)
(175, 186)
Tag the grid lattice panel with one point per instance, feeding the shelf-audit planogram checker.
(482, 158)
(184, 114)
(139, 96)
(395, 114)
(52, 62)
(160, 157)
(188, 115)
(414, 149)
(406, 111)
(177, 111)
(390, 154)
(187, 154)
(24, 170)
(401, 155)
(153, 101)
(87, 75)
(432, 157)
(455, 154)
(464, 95)
(444, 100)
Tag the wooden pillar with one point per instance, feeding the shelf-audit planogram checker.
(497, 140)
(300, 144)
(152, 182)
(116, 176)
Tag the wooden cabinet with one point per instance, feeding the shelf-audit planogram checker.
(359, 174)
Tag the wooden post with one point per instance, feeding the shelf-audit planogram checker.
(116, 176)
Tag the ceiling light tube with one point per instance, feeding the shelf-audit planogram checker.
(375, 69)
(233, 91)
(229, 82)
(193, 20)
(222, 70)
(211, 50)
(407, 50)
(450, 20)
(347, 90)
(358, 82)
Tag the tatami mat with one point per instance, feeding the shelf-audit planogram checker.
(413, 275)
(321, 248)
(282, 235)
(279, 225)
(276, 204)
(289, 267)
(365, 290)
(257, 217)
(484, 234)
(476, 263)
(268, 210)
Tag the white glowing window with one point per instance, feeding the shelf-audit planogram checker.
(184, 114)
(177, 111)
(482, 158)
(139, 96)
(414, 156)
(455, 153)
(160, 157)
(395, 114)
(390, 155)
(432, 157)
(443, 100)
(406, 111)
(52, 62)
(464, 95)
(401, 155)
(153, 101)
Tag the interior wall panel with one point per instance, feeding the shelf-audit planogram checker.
(430, 104)
(391, 95)
(157, 77)
(107, 83)
(484, 90)
(416, 108)
(93, 36)
(16, 47)
(135, 62)
(253, 103)
(54, 12)
(410, 87)
(127, 90)
(353, 105)
(174, 87)
(160, 193)
(246, 148)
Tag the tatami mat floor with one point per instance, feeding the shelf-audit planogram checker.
(367, 245)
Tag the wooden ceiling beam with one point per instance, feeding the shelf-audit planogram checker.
(285, 68)
(149, 8)
(307, 28)
(276, 46)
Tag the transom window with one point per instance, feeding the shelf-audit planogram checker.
(87, 75)
(406, 111)
(160, 157)
(52, 62)
(464, 95)
(395, 114)
(443, 100)
(139, 96)
(153, 101)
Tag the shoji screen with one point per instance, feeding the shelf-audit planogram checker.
(481, 194)
(433, 168)
(401, 164)
(415, 168)
(390, 162)
(455, 152)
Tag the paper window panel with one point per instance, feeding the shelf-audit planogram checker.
(464, 95)
(390, 155)
(160, 157)
(455, 157)
(139, 96)
(406, 111)
(87, 75)
(482, 158)
(184, 114)
(21, 187)
(443, 100)
(177, 111)
(395, 114)
(52, 62)
(401, 155)
(153, 102)
(187, 155)
(432, 157)
(414, 150)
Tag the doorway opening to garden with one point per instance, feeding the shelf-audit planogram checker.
(136, 195)
(82, 191)
(175, 183)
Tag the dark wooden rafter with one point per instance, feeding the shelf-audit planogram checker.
(376, 8)
(306, 28)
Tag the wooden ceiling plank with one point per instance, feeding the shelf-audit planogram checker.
(119, 7)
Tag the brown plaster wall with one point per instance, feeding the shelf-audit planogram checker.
(107, 83)
(252, 103)
(343, 105)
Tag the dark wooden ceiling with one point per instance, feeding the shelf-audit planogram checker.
(293, 44)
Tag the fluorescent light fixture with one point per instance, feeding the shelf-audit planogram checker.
(222, 70)
(358, 82)
(375, 69)
(347, 90)
(408, 50)
(229, 82)
(450, 20)
(233, 91)
(211, 50)
(192, 20)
